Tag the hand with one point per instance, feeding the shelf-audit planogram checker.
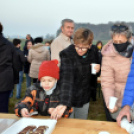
(24, 112)
(113, 110)
(50, 110)
(58, 112)
(97, 68)
(125, 111)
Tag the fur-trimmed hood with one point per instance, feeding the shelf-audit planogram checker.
(39, 47)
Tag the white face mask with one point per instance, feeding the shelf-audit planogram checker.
(49, 92)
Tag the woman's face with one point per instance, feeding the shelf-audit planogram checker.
(81, 49)
(29, 45)
(119, 39)
(99, 46)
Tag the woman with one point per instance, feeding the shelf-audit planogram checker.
(37, 54)
(27, 64)
(99, 46)
(9, 72)
(75, 75)
(116, 63)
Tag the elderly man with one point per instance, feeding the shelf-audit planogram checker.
(64, 38)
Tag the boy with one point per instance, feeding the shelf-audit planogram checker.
(44, 96)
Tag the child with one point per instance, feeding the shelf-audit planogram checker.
(42, 96)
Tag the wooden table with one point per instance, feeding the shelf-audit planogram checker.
(76, 126)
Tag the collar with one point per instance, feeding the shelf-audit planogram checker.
(65, 37)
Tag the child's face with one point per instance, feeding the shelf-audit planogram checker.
(47, 82)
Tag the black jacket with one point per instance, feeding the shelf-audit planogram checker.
(27, 64)
(21, 58)
(75, 77)
(36, 100)
(9, 73)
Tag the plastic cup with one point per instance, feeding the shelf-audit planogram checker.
(112, 102)
(104, 132)
(93, 71)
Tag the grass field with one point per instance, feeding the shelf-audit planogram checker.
(96, 110)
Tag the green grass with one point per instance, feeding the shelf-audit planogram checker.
(96, 109)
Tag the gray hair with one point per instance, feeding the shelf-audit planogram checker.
(127, 33)
(66, 20)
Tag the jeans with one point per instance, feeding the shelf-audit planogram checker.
(80, 113)
(28, 80)
(18, 93)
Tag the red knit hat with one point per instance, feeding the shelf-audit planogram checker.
(49, 68)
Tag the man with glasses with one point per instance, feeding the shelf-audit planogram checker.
(63, 40)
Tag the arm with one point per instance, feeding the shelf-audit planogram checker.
(15, 65)
(107, 80)
(66, 80)
(27, 102)
(56, 48)
(48, 55)
(22, 57)
(128, 97)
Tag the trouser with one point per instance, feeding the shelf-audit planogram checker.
(18, 86)
(28, 80)
(80, 113)
(18, 93)
(4, 100)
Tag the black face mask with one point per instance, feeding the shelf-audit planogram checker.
(124, 49)
(121, 47)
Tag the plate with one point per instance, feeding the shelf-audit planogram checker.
(24, 122)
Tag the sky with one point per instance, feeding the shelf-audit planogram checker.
(42, 17)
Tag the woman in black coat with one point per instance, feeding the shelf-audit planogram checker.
(75, 75)
(9, 73)
(27, 64)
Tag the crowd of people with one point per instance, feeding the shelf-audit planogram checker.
(63, 83)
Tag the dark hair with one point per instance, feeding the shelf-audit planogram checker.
(38, 40)
(29, 41)
(16, 42)
(84, 36)
(98, 43)
(48, 42)
(1, 28)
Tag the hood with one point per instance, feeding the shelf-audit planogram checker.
(109, 50)
(39, 47)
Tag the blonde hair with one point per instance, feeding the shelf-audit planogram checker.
(83, 36)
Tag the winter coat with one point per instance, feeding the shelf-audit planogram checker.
(36, 100)
(128, 97)
(9, 73)
(59, 44)
(37, 54)
(114, 73)
(75, 77)
(21, 59)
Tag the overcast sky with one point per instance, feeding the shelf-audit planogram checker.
(39, 17)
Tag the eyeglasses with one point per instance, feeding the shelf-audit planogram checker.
(82, 48)
(120, 28)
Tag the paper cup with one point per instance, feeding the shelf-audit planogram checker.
(112, 102)
(93, 71)
(104, 132)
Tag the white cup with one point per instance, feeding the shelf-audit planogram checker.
(112, 102)
(93, 71)
(104, 132)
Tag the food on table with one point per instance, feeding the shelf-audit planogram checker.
(33, 130)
